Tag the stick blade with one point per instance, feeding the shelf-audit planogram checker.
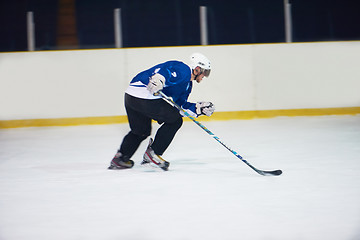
(270, 173)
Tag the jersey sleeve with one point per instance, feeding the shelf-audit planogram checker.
(190, 108)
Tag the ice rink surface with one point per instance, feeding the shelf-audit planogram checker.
(54, 183)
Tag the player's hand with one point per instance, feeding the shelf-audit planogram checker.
(205, 108)
(156, 83)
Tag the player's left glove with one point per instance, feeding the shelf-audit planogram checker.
(156, 83)
(205, 108)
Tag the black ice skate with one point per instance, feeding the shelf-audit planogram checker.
(121, 162)
(151, 158)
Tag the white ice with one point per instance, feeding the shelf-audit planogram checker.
(54, 183)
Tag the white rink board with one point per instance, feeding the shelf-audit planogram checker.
(87, 83)
(316, 75)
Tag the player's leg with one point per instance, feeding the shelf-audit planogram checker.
(140, 126)
(171, 121)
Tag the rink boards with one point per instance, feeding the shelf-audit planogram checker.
(48, 88)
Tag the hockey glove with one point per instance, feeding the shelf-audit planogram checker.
(204, 108)
(156, 83)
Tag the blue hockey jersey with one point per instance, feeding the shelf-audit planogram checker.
(177, 83)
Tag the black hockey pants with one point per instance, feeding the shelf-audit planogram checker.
(140, 112)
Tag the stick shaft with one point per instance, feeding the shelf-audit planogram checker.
(261, 172)
(200, 125)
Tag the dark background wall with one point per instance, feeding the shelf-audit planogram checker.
(176, 22)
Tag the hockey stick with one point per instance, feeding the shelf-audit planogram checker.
(261, 172)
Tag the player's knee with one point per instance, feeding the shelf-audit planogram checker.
(178, 123)
(140, 135)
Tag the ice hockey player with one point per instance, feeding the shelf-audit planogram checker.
(143, 103)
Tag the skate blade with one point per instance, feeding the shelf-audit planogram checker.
(153, 166)
(112, 167)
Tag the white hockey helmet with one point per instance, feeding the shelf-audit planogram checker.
(199, 60)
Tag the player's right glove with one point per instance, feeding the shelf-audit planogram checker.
(156, 83)
(205, 108)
